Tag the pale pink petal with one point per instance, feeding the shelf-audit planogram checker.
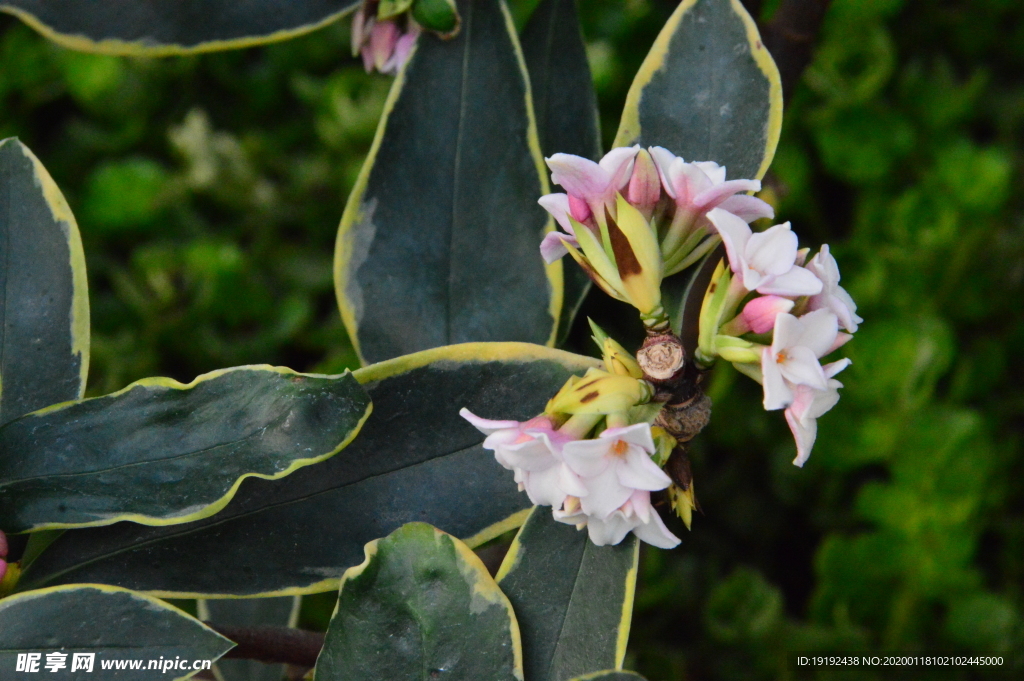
(638, 470)
(833, 368)
(570, 482)
(609, 531)
(640, 502)
(715, 172)
(3, 568)
(655, 533)
(663, 159)
(735, 234)
(760, 313)
(804, 433)
(777, 394)
(383, 37)
(841, 340)
(795, 282)
(687, 180)
(552, 246)
(787, 332)
(531, 455)
(618, 163)
(486, 426)
(403, 48)
(360, 23)
(638, 434)
(605, 494)
(644, 185)
(558, 206)
(587, 458)
(747, 208)
(771, 252)
(578, 176)
(713, 196)
(818, 331)
(542, 487)
(800, 366)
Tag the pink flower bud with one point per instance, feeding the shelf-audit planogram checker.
(579, 209)
(645, 184)
(383, 37)
(760, 313)
(3, 568)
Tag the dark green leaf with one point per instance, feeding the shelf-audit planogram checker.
(113, 624)
(162, 453)
(415, 459)
(573, 600)
(610, 675)
(251, 612)
(421, 606)
(708, 91)
(439, 242)
(44, 309)
(437, 15)
(153, 27)
(682, 295)
(566, 107)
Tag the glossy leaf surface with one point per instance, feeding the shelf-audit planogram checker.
(44, 306)
(707, 91)
(113, 624)
(159, 452)
(566, 107)
(421, 606)
(153, 27)
(573, 600)
(439, 242)
(415, 459)
(251, 612)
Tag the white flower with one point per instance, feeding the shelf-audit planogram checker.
(614, 466)
(766, 261)
(525, 449)
(792, 359)
(808, 405)
(636, 515)
(833, 296)
(701, 186)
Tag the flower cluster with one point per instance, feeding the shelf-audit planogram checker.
(593, 455)
(792, 313)
(384, 42)
(640, 215)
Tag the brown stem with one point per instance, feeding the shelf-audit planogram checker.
(272, 644)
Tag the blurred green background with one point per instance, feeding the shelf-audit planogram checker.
(208, 190)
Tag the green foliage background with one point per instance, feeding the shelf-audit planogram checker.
(208, 191)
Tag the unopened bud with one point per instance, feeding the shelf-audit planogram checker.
(600, 392)
(760, 313)
(644, 185)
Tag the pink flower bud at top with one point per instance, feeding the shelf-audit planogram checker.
(645, 184)
(383, 37)
(760, 313)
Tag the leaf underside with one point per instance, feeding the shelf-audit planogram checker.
(439, 241)
(414, 459)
